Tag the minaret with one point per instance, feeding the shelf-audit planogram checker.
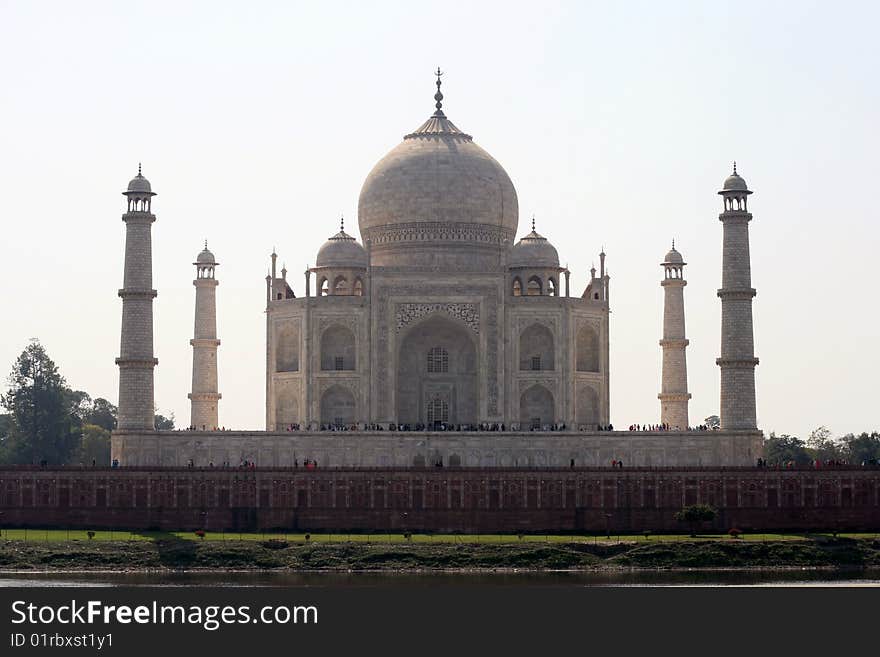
(674, 393)
(136, 361)
(204, 393)
(737, 359)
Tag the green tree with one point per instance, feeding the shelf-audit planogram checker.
(823, 446)
(862, 448)
(780, 449)
(164, 423)
(5, 432)
(695, 515)
(102, 413)
(39, 404)
(95, 447)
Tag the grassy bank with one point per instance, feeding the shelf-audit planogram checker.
(167, 551)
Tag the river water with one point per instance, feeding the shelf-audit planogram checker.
(641, 578)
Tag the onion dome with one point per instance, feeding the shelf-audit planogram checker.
(534, 251)
(673, 257)
(734, 182)
(205, 257)
(342, 250)
(437, 187)
(139, 184)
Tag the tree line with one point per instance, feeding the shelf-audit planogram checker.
(820, 446)
(48, 422)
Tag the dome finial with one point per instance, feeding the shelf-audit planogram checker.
(438, 96)
(673, 244)
(139, 168)
(734, 168)
(342, 223)
(206, 245)
(533, 222)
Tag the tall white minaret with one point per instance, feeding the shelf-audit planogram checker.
(204, 393)
(737, 359)
(136, 360)
(674, 393)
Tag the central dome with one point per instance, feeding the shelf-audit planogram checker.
(434, 193)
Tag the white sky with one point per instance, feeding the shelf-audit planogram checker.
(257, 123)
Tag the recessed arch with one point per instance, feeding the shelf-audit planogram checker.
(338, 406)
(437, 365)
(287, 349)
(587, 348)
(537, 348)
(587, 406)
(340, 286)
(517, 288)
(536, 407)
(534, 286)
(338, 349)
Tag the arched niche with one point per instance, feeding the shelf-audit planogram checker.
(587, 406)
(587, 349)
(437, 364)
(534, 287)
(536, 407)
(338, 349)
(537, 348)
(338, 406)
(287, 349)
(286, 410)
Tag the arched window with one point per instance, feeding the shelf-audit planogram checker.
(438, 410)
(340, 285)
(323, 287)
(438, 360)
(551, 287)
(338, 350)
(536, 348)
(534, 288)
(517, 287)
(358, 289)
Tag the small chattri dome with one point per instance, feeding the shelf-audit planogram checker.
(534, 251)
(734, 182)
(342, 250)
(139, 184)
(205, 257)
(673, 257)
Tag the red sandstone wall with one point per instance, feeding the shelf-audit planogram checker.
(442, 499)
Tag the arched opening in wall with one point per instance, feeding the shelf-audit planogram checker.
(587, 347)
(587, 406)
(286, 410)
(536, 408)
(338, 350)
(551, 287)
(517, 287)
(536, 348)
(437, 359)
(534, 287)
(323, 287)
(454, 461)
(358, 289)
(338, 406)
(287, 350)
(340, 286)
(438, 410)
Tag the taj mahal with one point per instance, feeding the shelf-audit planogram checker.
(438, 338)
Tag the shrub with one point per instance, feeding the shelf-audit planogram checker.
(734, 532)
(90, 534)
(200, 533)
(275, 544)
(308, 537)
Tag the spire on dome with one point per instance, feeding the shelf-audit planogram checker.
(341, 223)
(439, 96)
(533, 222)
(734, 168)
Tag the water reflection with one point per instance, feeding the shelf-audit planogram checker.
(518, 579)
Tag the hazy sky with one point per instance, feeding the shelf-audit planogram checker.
(257, 123)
